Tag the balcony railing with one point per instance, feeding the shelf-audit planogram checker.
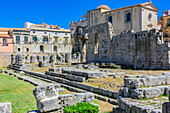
(5, 44)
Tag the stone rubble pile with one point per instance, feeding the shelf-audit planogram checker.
(5, 107)
(144, 94)
(48, 98)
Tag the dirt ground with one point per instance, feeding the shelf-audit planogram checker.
(105, 107)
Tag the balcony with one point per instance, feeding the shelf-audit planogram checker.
(5, 44)
(45, 42)
(168, 24)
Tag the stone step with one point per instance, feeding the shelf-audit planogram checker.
(73, 88)
(128, 105)
(148, 92)
(66, 76)
(85, 73)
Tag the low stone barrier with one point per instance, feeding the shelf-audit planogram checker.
(166, 106)
(127, 105)
(85, 73)
(55, 69)
(147, 82)
(147, 93)
(65, 76)
(48, 98)
(5, 107)
(101, 91)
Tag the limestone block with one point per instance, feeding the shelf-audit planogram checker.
(5, 107)
(46, 91)
(48, 104)
(166, 107)
(33, 59)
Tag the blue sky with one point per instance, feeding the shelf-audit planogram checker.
(14, 13)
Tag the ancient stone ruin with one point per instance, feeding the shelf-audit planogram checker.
(48, 98)
(140, 50)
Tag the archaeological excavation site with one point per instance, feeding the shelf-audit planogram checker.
(111, 61)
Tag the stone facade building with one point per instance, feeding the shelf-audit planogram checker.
(38, 39)
(79, 37)
(164, 25)
(126, 36)
(34, 40)
(6, 46)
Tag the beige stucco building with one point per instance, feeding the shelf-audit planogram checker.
(138, 17)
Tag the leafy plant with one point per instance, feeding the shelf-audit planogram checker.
(82, 108)
(78, 52)
(26, 57)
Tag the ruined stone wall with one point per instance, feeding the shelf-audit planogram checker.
(137, 50)
(5, 59)
(99, 37)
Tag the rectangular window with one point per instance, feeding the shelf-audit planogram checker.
(17, 39)
(80, 31)
(34, 39)
(66, 41)
(168, 22)
(25, 40)
(27, 49)
(4, 42)
(56, 40)
(19, 49)
(166, 33)
(45, 40)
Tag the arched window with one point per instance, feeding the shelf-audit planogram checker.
(127, 16)
(42, 48)
(110, 19)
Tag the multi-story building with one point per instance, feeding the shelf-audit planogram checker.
(79, 36)
(6, 41)
(38, 39)
(138, 18)
(166, 25)
(6, 46)
(34, 39)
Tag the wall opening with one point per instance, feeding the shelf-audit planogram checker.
(42, 49)
(4, 42)
(127, 16)
(110, 19)
(55, 49)
(96, 51)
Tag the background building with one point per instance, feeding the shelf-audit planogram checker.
(166, 25)
(41, 39)
(6, 46)
(138, 18)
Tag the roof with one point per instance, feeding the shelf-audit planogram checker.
(103, 7)
(84, 15)
(142, 5)
(5, 35)
(4, 29)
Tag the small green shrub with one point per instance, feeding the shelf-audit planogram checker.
(82, 108)
(78, 52)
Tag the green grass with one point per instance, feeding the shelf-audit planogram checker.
(18, 92)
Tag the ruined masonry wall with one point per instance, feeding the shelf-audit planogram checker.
(5, 59)
(142, 50)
